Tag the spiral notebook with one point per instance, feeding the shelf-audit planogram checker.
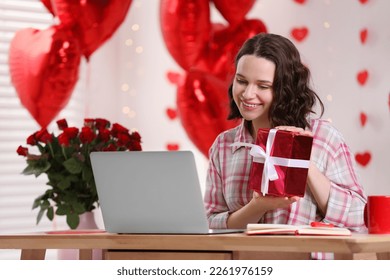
(150, 192)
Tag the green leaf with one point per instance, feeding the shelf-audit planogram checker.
(73, 220)
(78, 208)
(73, 166)
(62, 210)
(37, 202)
(36, 167)
(50, 213)
(40, 214)
(64, 184)
(87, 173)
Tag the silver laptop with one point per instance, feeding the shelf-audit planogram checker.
(150, 192)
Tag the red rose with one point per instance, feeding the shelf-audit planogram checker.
(102, 124)
(43, 136)
(117, 129)
(63, 139)
(31, 140)
(87, 135)
(134, 146)
(71, 132)
(136, 136)
(89, 122)
(104, 135)
(62, 124)
(22, 151)
(109, 148)
(123, 139)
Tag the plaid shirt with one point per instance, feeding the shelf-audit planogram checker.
(227, 181)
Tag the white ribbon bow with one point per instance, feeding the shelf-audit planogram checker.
(261, 156)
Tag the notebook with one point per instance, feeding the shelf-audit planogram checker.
(150, 192)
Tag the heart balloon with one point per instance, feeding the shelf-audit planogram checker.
(185, 27)
(218, 58)
(93, 21)
(203, 107)
(234, 11)
(44, 73)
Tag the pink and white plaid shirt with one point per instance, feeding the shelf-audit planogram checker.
(227, 181)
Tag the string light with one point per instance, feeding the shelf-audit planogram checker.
(139, 49)
(135, 27)
(125, 87)
(326, 25)
(128, 112)
(129, 42)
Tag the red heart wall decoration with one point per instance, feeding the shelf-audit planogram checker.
(44, 73)
(362, 77)
(363, 158)
(363, 35)
(171, 113)
(299, 34)
(175, 78)
(363, 1)
(300, 1)
(173, 147)
(363, 119)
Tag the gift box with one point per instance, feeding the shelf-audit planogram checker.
(280, 163)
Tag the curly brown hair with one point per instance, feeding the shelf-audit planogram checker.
(293, 99)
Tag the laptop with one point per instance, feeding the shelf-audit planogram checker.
(150, 192)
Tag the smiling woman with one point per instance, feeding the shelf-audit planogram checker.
(271, 89)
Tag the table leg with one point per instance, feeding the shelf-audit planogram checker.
(85, 254)
(383, 256)
(33, 254)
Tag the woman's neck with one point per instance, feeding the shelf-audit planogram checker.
(253, 127)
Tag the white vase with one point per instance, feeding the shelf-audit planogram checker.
(87, 222)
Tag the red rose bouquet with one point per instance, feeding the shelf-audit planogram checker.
(66, 162)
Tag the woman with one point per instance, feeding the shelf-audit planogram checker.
(271, 90)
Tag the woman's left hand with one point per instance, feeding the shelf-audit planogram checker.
(298, 130)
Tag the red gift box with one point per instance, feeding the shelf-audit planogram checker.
(280, 163)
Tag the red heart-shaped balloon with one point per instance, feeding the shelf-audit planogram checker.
(363, 118)
(362, 77)
(44, 67)
(363, 158)
(363, 35)
(299, 34)
(234, 11)
(218, 59)
(93, 21)
(203, 106)
(185, 26)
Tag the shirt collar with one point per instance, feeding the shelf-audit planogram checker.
(242, 135)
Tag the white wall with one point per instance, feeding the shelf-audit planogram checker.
(332, 50)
